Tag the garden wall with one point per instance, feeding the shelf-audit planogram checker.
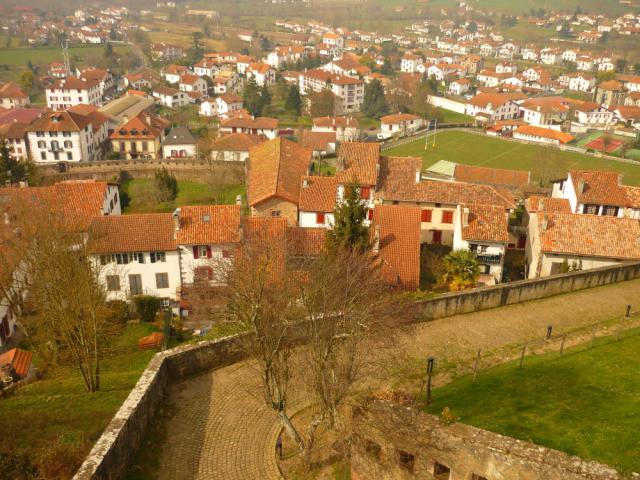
(111, 455)
(447, 104)
(397, 442)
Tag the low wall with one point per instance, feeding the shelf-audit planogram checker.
(108, 170)
(110, 456)
(397, 442)
(447, 104)
(515, 292)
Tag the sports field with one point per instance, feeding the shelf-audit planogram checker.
(545, 162)
(584, 402)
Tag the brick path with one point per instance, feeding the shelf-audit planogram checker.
(220, 430)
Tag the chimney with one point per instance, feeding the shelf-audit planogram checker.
(126, 118)
(581, 185)
(465, 216)
(305, 183)
(376, 240)
(176, 219)
(238, 199)
(418, 176)
(541, 207)
(147, 118)
(545, 223)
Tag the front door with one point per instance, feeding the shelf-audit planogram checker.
(437, 236)
(135, 284)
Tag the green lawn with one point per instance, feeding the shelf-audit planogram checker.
(584, 403)
(46, 55)
(471, 149)
(57, 409)
(449, 116)
(142, 200)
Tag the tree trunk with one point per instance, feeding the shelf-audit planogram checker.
(291, 430)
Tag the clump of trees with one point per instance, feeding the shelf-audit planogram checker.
(374, 103)
(461, 270)
(166, 186)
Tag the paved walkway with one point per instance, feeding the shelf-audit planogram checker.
(220, 430)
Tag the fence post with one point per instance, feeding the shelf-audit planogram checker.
(628, 314)
(524, 349)
(562, 344)
(475, 366)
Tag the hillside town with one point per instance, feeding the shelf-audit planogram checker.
(464, 150)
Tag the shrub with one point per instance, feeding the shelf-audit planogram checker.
(147, 307)
(166, 186)
(447, 417)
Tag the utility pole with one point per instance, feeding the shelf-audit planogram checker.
(430, 361)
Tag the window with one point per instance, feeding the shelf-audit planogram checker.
(437, 236)
(227, 254)
(39, 134)
(407, 460)
(162, 280)
(447, 216)
(66, 134)
(42, 144)
(425, 216)
(69, 156)
(145, 146)
(320, 217)
(201, 274)
(365, 193)
(610, 211)
(54, 145)
(137, 257)
(440, 471)
(122, 258)
(275, 213)
(591, 209)
(159, 257)
(370, 214)
(68, 144)
(113, 283)
(105, 259)
(53, 134)
(135, 284)
(43, 155)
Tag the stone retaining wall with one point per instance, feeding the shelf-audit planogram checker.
(112, 453)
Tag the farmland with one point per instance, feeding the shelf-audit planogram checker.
(473, 149)
(45, 55)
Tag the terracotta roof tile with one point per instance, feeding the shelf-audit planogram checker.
(340, 122)
(598, 187)
(544, 133)
(318, 194)
(486, 223)
(399, 244)
(360, 161)
(144, 232)
(275, 169)
(209, 224)
(12, 90)
(589, 235)
(306, 241)
(398, 117)
(237, 142)
(536, 203)
(317, 140)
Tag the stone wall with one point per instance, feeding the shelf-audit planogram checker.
(516, 292)
(112, 453)
(398, 442)
(109, 170)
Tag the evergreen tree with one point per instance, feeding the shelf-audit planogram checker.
(349, 231)
(293, 102)
(387, 67)
(166, 186)
(265, 99)
(197, 49)
(322, 104)
(11, 170)
(251, 97)
(374, 104)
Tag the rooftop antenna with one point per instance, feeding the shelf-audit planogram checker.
(65, 56)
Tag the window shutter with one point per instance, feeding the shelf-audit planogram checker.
(195, 252)
(208, 251)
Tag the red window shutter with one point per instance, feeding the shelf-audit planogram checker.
(370, 214)
(209, 273)
(320, 217)
(425, 216)
(226, 254)
(208, 251)
(447, 217)
(365, 193)
(196, 253)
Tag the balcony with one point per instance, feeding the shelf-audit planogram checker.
(487, 259)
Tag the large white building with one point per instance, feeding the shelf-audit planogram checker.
(349, 91)
(70, 91)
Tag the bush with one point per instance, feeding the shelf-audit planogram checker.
(166, 186)
(147, 307)
(118, 311)
(447, 417)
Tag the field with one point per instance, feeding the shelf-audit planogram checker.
(524, 6)
(584, 403)
(141, 198)
(46, 55)
(57, 412)
(472, 149)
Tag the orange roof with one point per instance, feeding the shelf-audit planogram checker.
(340, 122)
(236, 142)
(318, 194)
(610, 85)
(486, 223)
(542, 132)
(20, 361)
(589, 235)
(72, 120)
(360, 161)
(142, 232)
(598, 187)
(209, 224)
(142, 126)
(398, 182)
(306, 241)
(74, 83)
(399, 244)
(536, 203)
(398, 117)
(491, 176)
(317, 140)
(275, 169)
(261, 123)
(12, 90)
(153, 340)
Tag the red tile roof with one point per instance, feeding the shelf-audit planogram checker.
(340, 122)
(398, 117)
(142, 126)
(360, 161)
(589, 235)
(399, 244)
(209, 224)
(318, 194)
(275, 169)
(307, 242)
(317, 140)
(486, 223)
(536, 203)
(237, 142)
(598, 187)
(12, 90)
(542, 132)
(143, 232)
